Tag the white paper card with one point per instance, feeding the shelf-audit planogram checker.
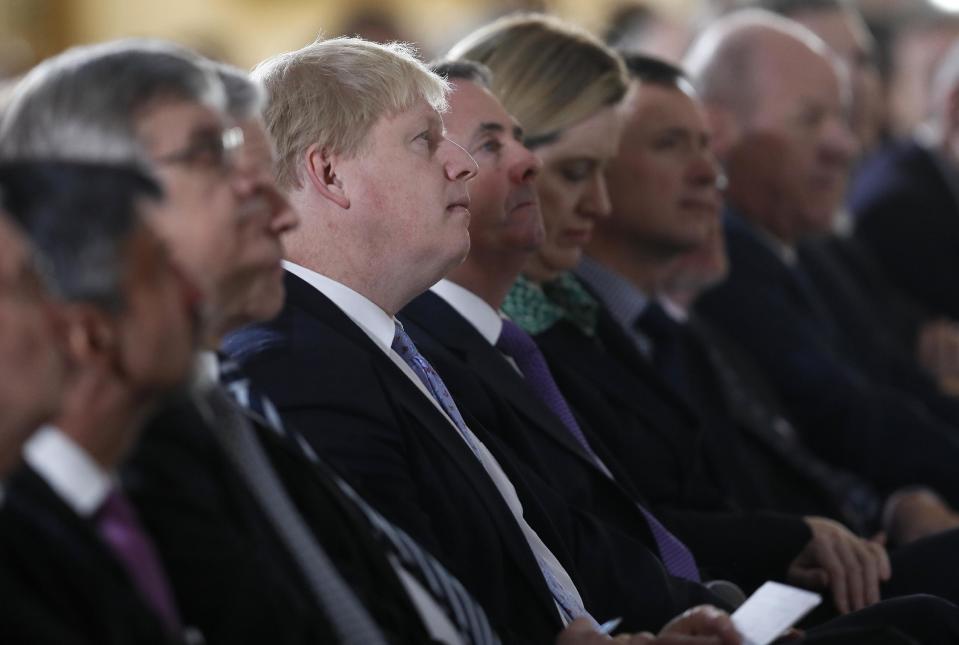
(770, 611)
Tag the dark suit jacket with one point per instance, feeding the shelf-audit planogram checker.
(908, 215)
(366, 418)
(882, 434)
(657, 437)
(483, 382)
(233, 575)
(60, 579)
(866, 320)
(754, 447)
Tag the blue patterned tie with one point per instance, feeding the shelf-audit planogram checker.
(467, 615)
(516, 343)
(403, 345)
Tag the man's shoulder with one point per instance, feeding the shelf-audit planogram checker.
(902, 169)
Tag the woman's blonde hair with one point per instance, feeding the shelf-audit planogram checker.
(547, 73)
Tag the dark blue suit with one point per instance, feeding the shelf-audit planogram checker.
(908, 215)
(59, 575)
(775, 314)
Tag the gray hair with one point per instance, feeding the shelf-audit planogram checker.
(84, 256)
(82, 105)
(245, 97)
(332, 92)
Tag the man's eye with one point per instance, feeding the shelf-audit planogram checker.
(493, 145)
(576, 171)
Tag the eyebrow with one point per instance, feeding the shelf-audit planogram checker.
(492, 126)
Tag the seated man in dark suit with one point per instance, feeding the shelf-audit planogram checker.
(905, 201)
(786, 178)
(247, 543)
(382, 195)
(31, 348)
(884, 325)
(665, 204)
(70, 534)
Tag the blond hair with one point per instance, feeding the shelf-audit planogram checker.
(332, 92)
(547, 73)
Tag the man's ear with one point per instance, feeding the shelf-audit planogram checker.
(321, 172)
(90, 333)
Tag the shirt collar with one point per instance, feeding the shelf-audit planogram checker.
(624, 301)
(206, 371)
(471, 307)
(68, 470)
(378, 325)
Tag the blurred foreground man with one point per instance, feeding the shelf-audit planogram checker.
(70, 536)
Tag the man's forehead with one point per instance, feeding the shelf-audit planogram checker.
(177, 118)
(487, 113)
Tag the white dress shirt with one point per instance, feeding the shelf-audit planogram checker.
(477, 312)
(381, 327)
(66, 467)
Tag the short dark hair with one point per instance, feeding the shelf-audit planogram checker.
(464, 70)
(79, 217)
(648, 69)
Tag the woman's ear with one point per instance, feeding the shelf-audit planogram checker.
(321, 172)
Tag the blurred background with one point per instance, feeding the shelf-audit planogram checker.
(911, 35)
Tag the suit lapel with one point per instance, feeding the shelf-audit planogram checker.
(439, 320)
(72, 550)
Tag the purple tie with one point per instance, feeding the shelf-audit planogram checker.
(518, 345)
(118, 526)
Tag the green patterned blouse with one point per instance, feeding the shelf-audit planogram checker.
(536, 307)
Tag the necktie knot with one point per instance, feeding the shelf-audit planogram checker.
(515, 342)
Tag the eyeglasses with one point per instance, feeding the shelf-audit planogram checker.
(212, 149)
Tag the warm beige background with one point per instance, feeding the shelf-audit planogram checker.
(246, 31)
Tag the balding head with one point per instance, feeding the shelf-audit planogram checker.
(776, 104)
(731, 61)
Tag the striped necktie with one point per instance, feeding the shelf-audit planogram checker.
(348, 617)
(567, 599)
(467, 615)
